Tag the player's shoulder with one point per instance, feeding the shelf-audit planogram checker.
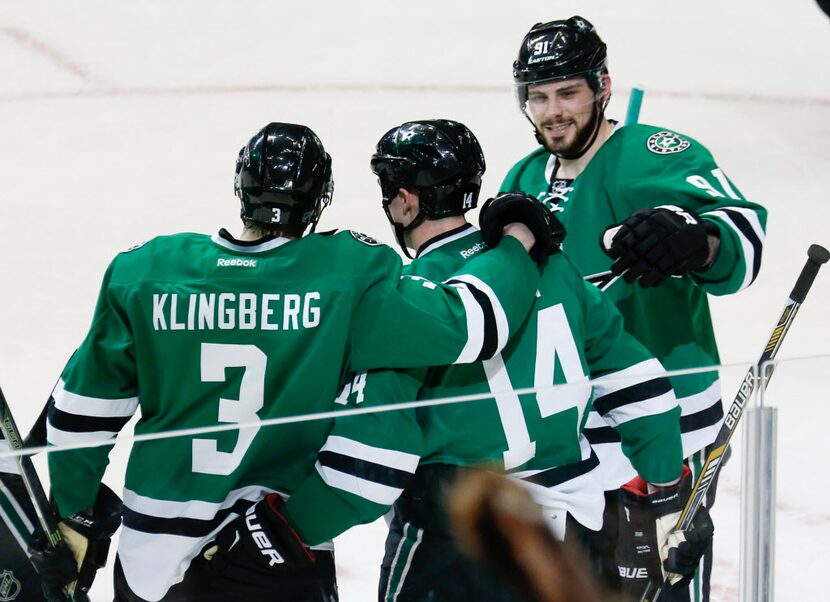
(163, 244)
(351, 248)
(654, 141)
(537, 157)
(159, 250)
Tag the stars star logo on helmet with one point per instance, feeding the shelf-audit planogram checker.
(666, 143)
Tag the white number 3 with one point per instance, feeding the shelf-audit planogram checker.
(215, 358)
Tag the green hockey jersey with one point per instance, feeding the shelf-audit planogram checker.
(198, 330)
(645, 166)
(574, 334)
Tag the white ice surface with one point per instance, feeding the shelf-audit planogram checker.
(120, 121)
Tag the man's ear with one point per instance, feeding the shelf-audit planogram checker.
(605, 85)
(411, 204)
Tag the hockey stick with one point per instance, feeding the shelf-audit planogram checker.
(816, 257)
(635, 101)
(45, 515)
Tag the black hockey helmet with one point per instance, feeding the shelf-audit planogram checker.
(283, 177)
(560, 50)
(439, 159)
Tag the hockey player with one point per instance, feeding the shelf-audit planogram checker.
(672, 225)
(430, 175)
(196, 330)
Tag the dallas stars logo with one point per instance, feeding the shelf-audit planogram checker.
(666, 143)
(364, 238)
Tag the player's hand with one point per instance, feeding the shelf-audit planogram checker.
(516, 207)
(257, 551)
(652, 244)
(56, 565)
(88, 535)
(71, 565)
(659, 508)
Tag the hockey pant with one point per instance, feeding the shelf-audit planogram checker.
(197, 586)
(421, 561)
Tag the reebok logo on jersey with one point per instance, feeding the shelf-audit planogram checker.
(261, 540)
(245, 263)
(666, 143)
(473, 250)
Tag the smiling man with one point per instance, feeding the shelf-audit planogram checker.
(673, 227)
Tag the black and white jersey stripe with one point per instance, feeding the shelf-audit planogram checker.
(74, 418)
(746, 225)
(637, 391)
(373, 473)
(487, 327)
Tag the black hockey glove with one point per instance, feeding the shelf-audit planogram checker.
(517, 207)
(652, 244)
(55, 566)
(259, 553)
(86, 537)
(649, 547)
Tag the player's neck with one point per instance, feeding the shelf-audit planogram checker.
(569, 169)
(254, 234)
(429, 229)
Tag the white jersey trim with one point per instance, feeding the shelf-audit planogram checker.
(502, 326)
(369, 490)
(443, 241)
(475, 326)
(260, 248)
(378, 455)
(82, 405)
(196, 509)
(647, 407)
(56, 436)
(700, 401)
(746, 244)
(635, 374)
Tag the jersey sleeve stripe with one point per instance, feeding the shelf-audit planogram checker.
(92, 406)
(475, 327)
(73, 423)
(637, 393)
(58, 437)
(363, 469)
(369, 490)
(496, 328)
(378, 455)
(647, 407)
(746, 225)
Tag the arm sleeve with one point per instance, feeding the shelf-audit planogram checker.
(94, 398)
(631, 392)
(691, 179)
(366, 461)
(409, 321)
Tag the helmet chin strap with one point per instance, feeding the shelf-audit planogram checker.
(400, 230)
